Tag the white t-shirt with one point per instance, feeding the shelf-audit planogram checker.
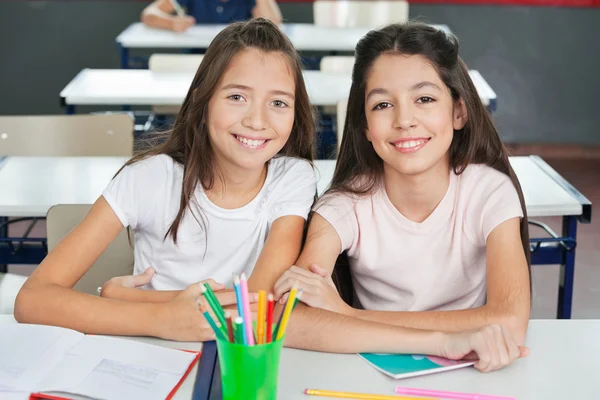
(146, 195)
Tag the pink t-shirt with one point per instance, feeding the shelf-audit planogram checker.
(438, 264)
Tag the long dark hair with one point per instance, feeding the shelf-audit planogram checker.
(188, 142)
(477, 143)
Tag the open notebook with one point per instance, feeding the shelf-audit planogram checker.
(38, 358)
(401, 366)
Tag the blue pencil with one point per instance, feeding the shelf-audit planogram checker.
(212, 323)
(240, 303)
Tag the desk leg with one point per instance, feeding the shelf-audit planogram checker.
(3, 234)
(124, 57)
(567, 270)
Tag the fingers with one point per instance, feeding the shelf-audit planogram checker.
(141, 279)
(511, 345)
(300, 279)
(496, 348)
(524, 351)
(227, 298)
(318, 270)
(214, 285)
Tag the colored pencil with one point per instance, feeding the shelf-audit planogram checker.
(238, 323)
(270, 305)
(240, 303)
(362, 396)
(260, 323)
(246, 309)
(215, 306)
(211, 322)
(230, 331)
(287, 311)
(449, 395)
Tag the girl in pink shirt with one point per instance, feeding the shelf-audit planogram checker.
(423, 203)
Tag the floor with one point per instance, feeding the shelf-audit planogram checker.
(584, 175)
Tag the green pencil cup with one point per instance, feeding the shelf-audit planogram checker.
(249, 372)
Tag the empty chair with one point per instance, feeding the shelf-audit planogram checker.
(117, 259)
(66, 135)
(184, 63)
(359, 13)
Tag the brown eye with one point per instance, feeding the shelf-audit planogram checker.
(382, 105)
(425, 100)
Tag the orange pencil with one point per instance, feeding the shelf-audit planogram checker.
(270, 305)
(260, 323)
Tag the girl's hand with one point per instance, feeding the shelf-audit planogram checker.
(318, 289)
(181, 24)
(492, 346)
(181, 319)
(128, 281)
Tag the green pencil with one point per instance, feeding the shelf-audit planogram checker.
(238, 324)
(216, 307)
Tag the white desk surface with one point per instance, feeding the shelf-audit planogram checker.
(305, 37)
(118, 87)
(29, 186)
(142, 87)
(563, 364)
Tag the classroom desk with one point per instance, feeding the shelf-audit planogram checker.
(80, 180)
(305, 37)
(553, 370)
(120, 87)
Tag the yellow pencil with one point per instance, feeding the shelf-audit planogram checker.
(289, 306)
(348, 395)
(260, 324)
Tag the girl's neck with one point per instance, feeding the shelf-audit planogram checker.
(417, 196)
(235, 187)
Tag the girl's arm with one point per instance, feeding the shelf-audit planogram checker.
(48, 298)
(159, 15)
(279, 252)
(267, 9)
(323, 330)
(508, 296)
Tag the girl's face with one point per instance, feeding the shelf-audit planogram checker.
(411, 116)
(251, 113)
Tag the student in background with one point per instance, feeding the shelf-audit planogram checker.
(179, 16)
(228, 192)
(424, 203)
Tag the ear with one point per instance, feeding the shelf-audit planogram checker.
(459, 115)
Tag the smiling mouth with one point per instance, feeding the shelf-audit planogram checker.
(250, 143)
(410, 146)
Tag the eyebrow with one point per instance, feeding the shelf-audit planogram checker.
(249, 89)
(413, 88)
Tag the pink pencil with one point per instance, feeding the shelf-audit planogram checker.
(246, 306)
(449, 395)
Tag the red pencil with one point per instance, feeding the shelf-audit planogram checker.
(229, 326)
(270, 305)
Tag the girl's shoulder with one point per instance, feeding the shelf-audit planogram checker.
(482, 178)
(286, 170)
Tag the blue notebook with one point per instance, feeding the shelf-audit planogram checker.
(399, 366)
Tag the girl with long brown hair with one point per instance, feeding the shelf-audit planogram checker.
(423, 203)
(227, 192)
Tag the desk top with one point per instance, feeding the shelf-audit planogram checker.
(118, 87)
(29, 186)
(143, 87)
(563, 364)
(305, 37)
